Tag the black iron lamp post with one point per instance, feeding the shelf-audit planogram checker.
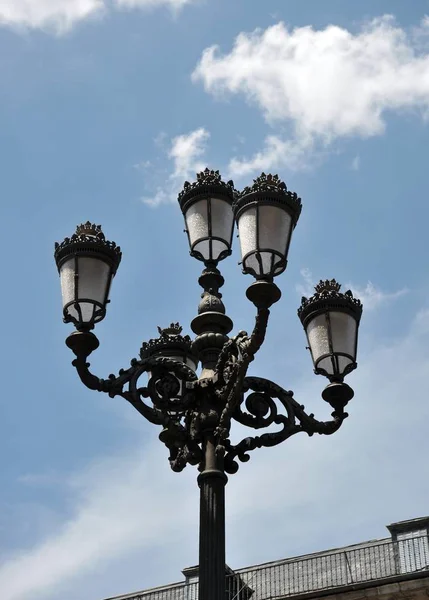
(196, 388)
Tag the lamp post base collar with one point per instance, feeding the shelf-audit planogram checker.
(338, 394)
(263, 294)
(82, 343)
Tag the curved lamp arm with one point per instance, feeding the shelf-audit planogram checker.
(262, 412)
(161, 386)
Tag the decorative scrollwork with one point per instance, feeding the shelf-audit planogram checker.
(262, 412)
(190, 411)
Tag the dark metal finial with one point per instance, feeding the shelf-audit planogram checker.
(269, 187)
(173, 329)
(326, 286)
(91, 229)
(88, 239)
(208, 181)
(327, 296)
(169, 339)
(270, 183)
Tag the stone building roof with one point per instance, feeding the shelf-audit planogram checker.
(404, 555)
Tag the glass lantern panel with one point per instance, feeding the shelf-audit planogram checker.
(67, 278)
(222, 219)
(247, 231)
(94, 279)
(343, 362)
(197, 224)
(92, 285)
(275, 227)
(343, 327)
(318, 340)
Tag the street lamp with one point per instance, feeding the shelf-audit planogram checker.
(196, 388)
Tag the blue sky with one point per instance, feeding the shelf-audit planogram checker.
(106, 107)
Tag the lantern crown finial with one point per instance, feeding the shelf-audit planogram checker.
(328, 296)
(268, 183)
(90, 229)
(170, 340)
(88, 239)
(173, 329)
(208, 181)
(327, 286)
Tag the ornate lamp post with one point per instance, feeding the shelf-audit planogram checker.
(195, 411)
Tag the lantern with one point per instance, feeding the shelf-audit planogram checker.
(206, 207)
(266, 214)
(87, 263)
(331, 321)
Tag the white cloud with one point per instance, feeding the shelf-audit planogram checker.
(120, 504)
(174, 5)
(323, 84)
(370, 295)
(276, 153)
(55, 15)
(59, 16)
(356, 163)
(131, 505)
(185, 151)
(373, 297)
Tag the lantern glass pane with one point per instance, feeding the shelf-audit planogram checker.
(264, 232)
(275, 225)
(343, 328)
(247, 231)
(92, 285)
(67, 278)
(197, 225)
(222, 221)
(318, 340)
(203, 225)
(94, 278)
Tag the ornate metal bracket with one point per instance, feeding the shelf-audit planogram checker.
(189, 409)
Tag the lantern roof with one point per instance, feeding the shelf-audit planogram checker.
(88, 240)
(329, 297)
(270, 189)
(170, 339)
(207, 182)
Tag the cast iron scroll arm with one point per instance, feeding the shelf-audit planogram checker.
(231, 369)
(262, 411)
(162, 386)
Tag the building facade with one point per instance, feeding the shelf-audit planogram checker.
(393, 568)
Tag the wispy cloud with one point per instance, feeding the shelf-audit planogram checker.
(324, 84)
(356, 163)
(185, 153)
(59, 16)
(174, 5)
(371, 296)
(124, 506)
(119, 504)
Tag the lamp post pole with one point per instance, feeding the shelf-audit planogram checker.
(195, 388)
